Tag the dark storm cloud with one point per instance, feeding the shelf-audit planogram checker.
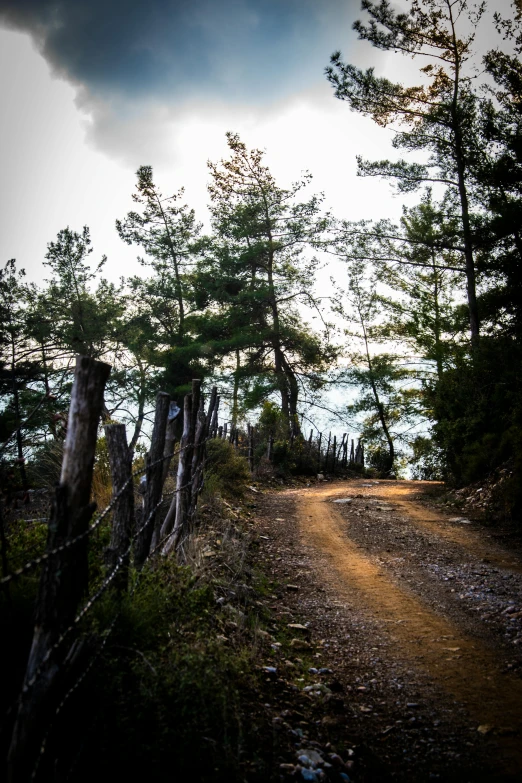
(229, 48)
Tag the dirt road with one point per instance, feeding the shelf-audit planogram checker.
(419, 614)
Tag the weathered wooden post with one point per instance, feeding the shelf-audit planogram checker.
(170, 437)
(198, 459)
(251, 447)
(177, 515)
(327, 452)
(214, 422)
(270, 449)
(154, 483)
(310, 440)
(359, 459)
(123, 511)
(352, 454)
(220, 432)
(319, 452)
(334, 453)
(64, 577)
(225, 430)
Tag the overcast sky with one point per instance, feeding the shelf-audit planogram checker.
(91, 89)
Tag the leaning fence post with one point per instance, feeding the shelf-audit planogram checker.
(64, 577)
(170, 437)
(123, 511)
(176, 518)
(154, 483)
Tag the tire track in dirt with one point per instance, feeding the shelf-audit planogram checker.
(462, 666)
(423, 517)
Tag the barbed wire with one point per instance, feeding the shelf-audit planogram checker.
(103, 587)
(101, 590)
(31, 564)
(72, 689)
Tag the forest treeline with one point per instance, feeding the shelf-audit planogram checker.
(423, 328)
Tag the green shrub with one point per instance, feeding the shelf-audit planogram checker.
(226, 472)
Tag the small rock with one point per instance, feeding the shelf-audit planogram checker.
(299, 644)
(460, 520)
(310, 758)
(309, 774)
(298, 627)
(313, 670)
(325, 671)
(287, 767)
(270, 669)
(484, 728)
(292, 588)
(320, 477)
(343, 500)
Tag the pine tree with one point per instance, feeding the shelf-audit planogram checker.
(258, 271)
(439, 115)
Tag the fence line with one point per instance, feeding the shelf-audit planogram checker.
(91, 529)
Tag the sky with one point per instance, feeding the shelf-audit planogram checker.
(92, 90)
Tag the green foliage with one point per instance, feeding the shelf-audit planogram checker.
(428, 460)
(166, 695)
(255, 271)
(478, 411)
(226, 472)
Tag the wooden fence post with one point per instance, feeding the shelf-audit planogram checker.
(123, 511)
(334, 453)
(327, 452)
(170, 437)
(251, 447)
(64, 577)
(214, 422)
(154, 485)
(177, 514)
(310, 440)
(319, 452)
(345, 450)
(200, 446)
(352, 454)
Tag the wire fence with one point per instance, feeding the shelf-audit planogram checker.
(35, 562)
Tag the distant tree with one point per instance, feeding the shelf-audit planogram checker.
(83, 321)
(389, 400)
(421, 278)
(256, 271)
(167, 231)
(17, 364)
(438, 116)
